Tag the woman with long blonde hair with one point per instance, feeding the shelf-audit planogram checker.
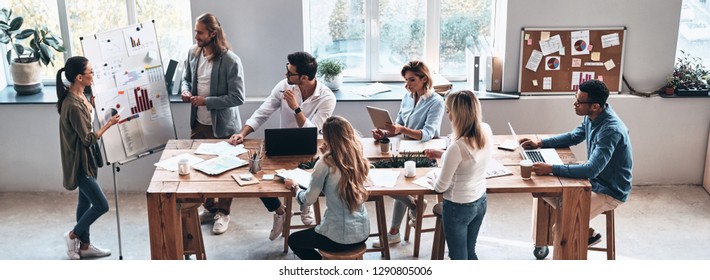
(463, 174)
(340, 175)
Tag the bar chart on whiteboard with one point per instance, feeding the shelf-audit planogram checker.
(130, 82)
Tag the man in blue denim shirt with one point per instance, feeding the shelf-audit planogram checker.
(608, 148)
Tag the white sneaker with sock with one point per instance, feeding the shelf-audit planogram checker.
(72, 246)
(307, 215)
(278, 227)
(221, 223)
(391, 239)
(94, 252)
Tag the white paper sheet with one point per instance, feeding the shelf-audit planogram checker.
(221, 148)
(609, 64)
(580, 42)
(610, 40)
(534, 61)
(547, 83)
(551, 46)
(171, 164)
(383, 177)
(553, 63)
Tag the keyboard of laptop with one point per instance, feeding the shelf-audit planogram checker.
(535, 156)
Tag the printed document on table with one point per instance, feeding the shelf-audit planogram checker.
(171, 164)
(220, 164)
(427, 180)
(222, 148)
(383, 177)
(416, 146)
(496, 169)
(300, 176)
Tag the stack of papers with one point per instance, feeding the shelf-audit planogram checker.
(418, 147)
(370, 90)
(220, 149)
(383, 177)
(171, 164)
(220, 164)
(300, 176)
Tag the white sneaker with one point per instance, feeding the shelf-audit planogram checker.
(413, 214)
(391, 239)
(72, 246)
(94, 252)
(278, 227)
(206, 216)
(307, 215)
(221, 223)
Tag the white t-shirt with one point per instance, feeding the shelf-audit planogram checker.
(204, 76)
(463, 172)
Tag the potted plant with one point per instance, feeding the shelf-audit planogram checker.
(689, 76)
(29, 50)
(331, 72)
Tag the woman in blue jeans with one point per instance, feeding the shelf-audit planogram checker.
(79, 167)
(463, 174)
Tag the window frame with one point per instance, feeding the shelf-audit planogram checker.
(432, 41)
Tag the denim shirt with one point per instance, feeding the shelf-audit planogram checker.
(609, 152)
(338, 223)
(426, 116)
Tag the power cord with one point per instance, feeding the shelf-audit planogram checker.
(638, 93)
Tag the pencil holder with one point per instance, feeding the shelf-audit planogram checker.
(254, 165)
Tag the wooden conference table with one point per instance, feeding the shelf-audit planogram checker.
(169, 192)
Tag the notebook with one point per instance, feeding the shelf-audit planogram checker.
(546, 155)
(291, 141)
(418, 147)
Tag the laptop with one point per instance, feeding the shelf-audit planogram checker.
(291, 141)
(546, 155)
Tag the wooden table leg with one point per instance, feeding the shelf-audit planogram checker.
(543, 217)
(418, 224)
(288, 201)
(573, 225)
(382, 226)
(164, 227)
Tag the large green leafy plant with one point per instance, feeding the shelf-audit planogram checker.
(30, 44)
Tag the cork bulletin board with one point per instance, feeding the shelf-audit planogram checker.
(557, 60)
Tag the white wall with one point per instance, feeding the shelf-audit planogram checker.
(651, 36)
(669, 136)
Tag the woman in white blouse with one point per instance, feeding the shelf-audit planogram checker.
(463, 180)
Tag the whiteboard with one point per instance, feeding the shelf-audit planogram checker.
(129, 80)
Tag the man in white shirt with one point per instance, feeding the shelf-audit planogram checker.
(214, 84)
(302, 101)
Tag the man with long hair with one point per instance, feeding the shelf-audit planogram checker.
(214, 84)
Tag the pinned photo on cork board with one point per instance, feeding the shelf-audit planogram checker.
(569, 57)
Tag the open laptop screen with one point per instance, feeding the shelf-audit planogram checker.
(291, 141)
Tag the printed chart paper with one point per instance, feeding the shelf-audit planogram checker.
(580, 42)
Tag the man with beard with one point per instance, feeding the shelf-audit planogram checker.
(214, 84)
(302, 101)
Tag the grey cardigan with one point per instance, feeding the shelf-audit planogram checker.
(75, 138)
(226, 91)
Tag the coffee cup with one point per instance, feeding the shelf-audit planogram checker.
(410, 169)
(384, 145)
(184, 167)
(526, 169)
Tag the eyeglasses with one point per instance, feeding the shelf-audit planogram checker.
(289, 74)
(577, 102)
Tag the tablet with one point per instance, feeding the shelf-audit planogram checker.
(380, 117)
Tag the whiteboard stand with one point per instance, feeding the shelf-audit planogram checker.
(115, 169)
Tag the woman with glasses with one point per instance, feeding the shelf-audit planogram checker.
(76, 136)
(463, 174)
(340, 175)
(419, 118)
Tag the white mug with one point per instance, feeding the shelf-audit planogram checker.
(410, 169)
(184, 167)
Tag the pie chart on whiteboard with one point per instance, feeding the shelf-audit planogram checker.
(580, 45)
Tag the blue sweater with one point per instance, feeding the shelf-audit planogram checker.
(609, 152)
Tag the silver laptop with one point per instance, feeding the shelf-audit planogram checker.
(546, 155)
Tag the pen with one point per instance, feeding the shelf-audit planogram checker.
(129, 118)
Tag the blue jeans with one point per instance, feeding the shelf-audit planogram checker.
(92, 204)
(461, 225)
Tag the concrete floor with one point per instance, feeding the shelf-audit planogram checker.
(657, 223)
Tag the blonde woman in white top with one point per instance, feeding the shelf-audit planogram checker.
(463, 180)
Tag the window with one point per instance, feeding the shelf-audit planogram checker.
(694, 30)
(84, 18)
(375, 38)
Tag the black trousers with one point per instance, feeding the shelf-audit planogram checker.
(304, 244)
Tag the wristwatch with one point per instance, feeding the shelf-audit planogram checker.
(297, 110)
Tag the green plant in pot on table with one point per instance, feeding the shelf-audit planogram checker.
(689, 77)
(30, 48)
(331, 71)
